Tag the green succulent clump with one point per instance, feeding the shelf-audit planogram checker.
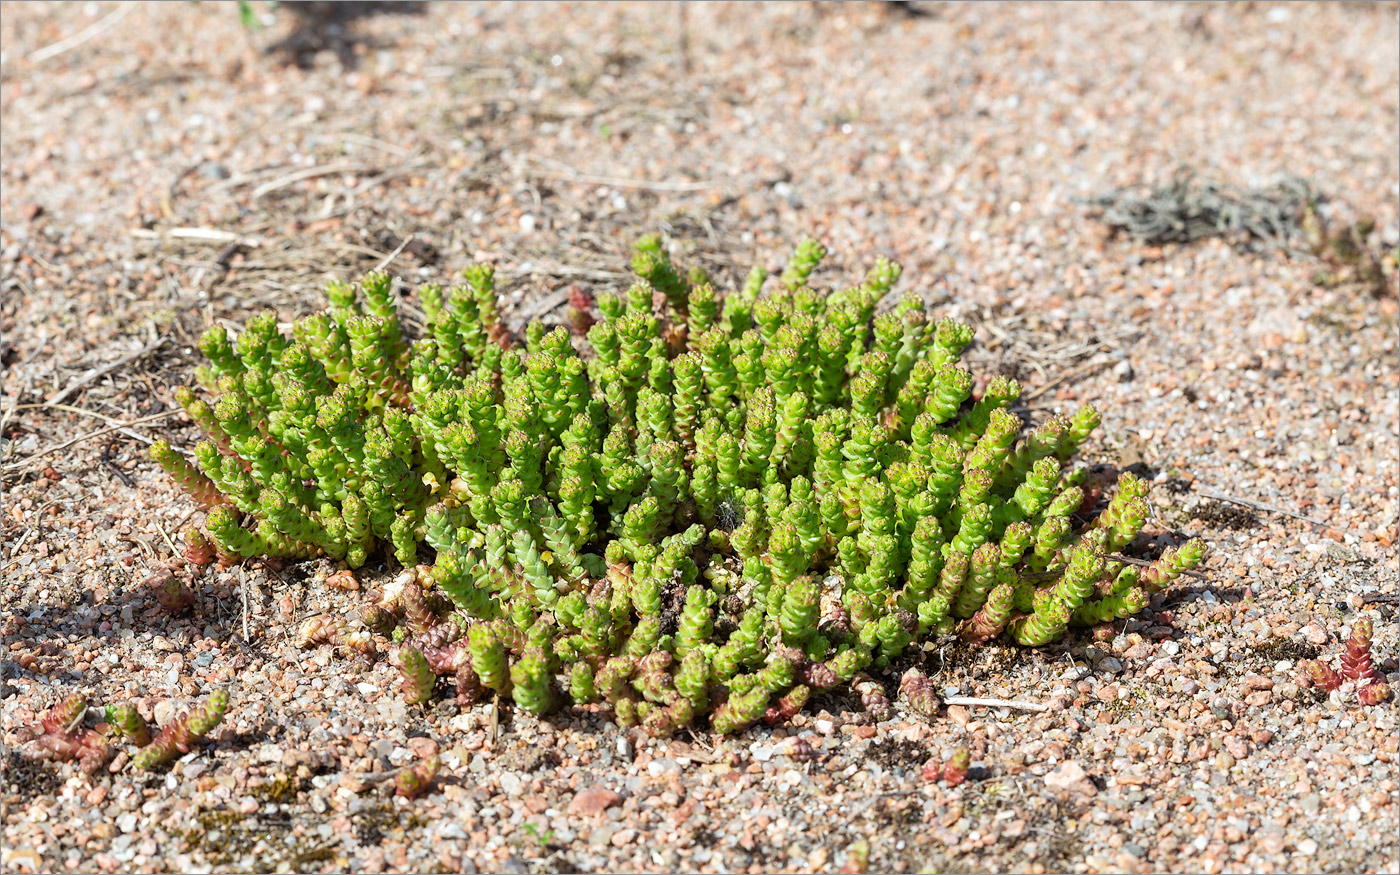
(711, 505)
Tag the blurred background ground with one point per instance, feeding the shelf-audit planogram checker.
(166, 167)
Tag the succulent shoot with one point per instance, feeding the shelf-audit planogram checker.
(694, 505)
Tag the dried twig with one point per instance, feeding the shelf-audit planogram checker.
(102, 371)
(994, 703)
(539, 307)
(1081, 371)
(388, 259)
(1259, 505)
(208, 235)
(572, 175)
(243, 595)
(121, 427)
(308, 173)
(97, 28)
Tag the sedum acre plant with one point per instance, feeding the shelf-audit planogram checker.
(712, 505)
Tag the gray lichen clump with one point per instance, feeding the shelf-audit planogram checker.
(712, 504)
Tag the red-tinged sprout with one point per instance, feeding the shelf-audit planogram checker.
(919, 691)
(932, 770)
(337, 633)
(416, 611)
(65, 716)
(817, 675)
(469, 687)
(788, 706)
(93, 752)
(183, 733)
(439, 637)
(1105, 632)
(1373, 693)
(413, 781)
(1356, 660)
(446, 660)
(1320, 675)
(59, 736)
(580, 312)
(955, 770)
(86, 746)
(344, 580)
(418, 676)
(378, 618)
(172, 593)
(872, 696)
(800, 750)
(199, 550)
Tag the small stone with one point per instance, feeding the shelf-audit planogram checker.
(602, 835)
(1257, 682)
(1270, 840)
(663, 766)
(423, 747)
(1307, 847)
(511, 783)
(1315, 634)
(353, 783)
(623, 837)
(453, 830)
(1311, 803)
(1237, 746)
(1110, 664)
(593, 801)
(1072, 777)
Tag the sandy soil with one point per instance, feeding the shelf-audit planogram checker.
(165, 169)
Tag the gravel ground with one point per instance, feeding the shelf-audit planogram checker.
(545, 138)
